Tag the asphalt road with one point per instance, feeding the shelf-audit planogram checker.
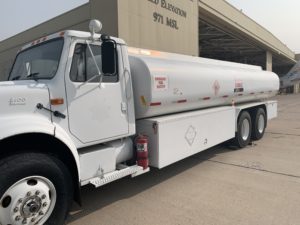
(258, 185)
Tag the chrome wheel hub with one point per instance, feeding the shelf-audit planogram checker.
(261, 124)
(29, 201)
(31, 206)
(245, 131)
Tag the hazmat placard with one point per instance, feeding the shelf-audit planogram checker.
(161, 83)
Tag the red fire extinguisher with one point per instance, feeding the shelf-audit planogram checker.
(141, 143)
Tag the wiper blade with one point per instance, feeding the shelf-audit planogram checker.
(16, 78)
(33, 75)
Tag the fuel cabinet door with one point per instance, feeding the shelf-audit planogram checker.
(175, 137)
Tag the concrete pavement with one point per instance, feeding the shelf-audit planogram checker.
(258, 185)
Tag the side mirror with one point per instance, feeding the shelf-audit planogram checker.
(109, 57)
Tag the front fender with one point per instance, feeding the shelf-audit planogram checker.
(65, 138)
(16, 125)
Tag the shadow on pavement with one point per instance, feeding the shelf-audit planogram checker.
(95, 199)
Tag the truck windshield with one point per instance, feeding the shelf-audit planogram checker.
(38, 62)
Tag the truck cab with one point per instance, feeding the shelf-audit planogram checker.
(67, 111)
(67, 68)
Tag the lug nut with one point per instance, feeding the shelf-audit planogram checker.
(16, 209)
(28, 194)
(33, 220)
(24, 221)
(45, 204)
(20, 200)
(44, 196)
(37, 193)
(18, 218)
(41, 213)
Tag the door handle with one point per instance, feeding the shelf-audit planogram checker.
(123, 107)
(127, 83)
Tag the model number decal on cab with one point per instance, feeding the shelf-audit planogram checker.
(17, 101)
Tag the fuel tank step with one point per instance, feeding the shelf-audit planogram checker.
(123, 171)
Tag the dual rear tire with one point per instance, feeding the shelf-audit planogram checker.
(250, 126)
(259, 124)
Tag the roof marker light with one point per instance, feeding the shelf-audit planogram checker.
(145, 52)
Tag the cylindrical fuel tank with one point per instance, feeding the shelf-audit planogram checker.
(165, 83)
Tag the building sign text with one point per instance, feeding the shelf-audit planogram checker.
(170, 22)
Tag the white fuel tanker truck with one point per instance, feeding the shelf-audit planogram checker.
(82, 108)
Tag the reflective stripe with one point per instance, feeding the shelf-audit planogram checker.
(182, 101)
(155, 104)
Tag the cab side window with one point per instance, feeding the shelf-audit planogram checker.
(83, 66)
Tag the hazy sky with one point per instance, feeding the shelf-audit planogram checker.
(20, 15)
(281, 17)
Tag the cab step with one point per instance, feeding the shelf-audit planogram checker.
(123, 171)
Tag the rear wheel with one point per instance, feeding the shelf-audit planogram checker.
(244, 127)
(35, 189)
(259, 124)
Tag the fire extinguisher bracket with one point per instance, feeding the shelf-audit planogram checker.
(140, 172)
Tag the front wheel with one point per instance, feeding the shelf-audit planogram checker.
(35, 189)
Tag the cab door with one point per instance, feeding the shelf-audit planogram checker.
(97, 109)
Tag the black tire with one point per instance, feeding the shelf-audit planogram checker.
(15, 168)
(258, 129)
(240, 141)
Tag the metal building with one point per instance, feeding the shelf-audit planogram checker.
(208, 28)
